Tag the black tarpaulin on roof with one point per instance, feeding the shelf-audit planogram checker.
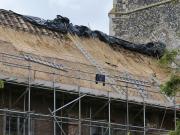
(63, 25)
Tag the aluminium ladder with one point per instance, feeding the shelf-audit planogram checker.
(101, 70)
(139, 85)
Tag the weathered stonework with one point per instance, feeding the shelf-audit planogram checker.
(157, 23)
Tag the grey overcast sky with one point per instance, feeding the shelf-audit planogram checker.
(93, 13)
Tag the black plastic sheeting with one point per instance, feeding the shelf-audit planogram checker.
(63, 25)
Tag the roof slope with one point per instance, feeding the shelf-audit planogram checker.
(62, 25)
(18, 37)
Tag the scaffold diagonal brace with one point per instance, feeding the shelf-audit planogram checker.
(69, 103)
(57, 122)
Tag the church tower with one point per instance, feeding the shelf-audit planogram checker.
(142, 21)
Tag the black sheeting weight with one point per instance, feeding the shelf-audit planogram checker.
(63, 25)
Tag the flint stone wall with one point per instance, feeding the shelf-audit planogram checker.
(159, 23)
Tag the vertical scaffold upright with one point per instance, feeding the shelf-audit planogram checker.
(29, 98)
(54, 102)
(109, 112)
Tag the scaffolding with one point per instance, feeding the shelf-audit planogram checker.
(9, 60)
